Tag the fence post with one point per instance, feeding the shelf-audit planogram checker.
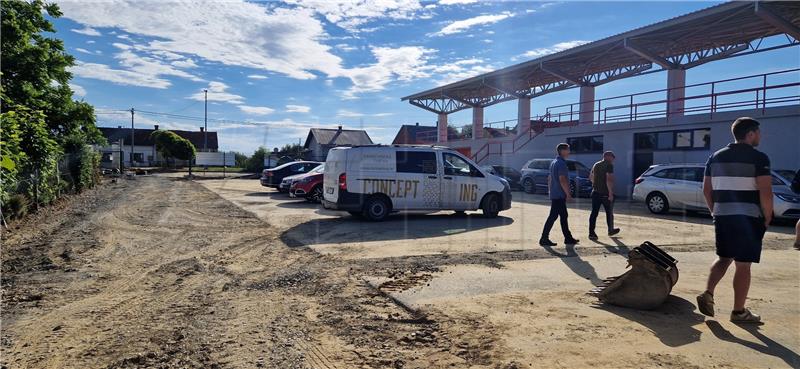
(764, 97)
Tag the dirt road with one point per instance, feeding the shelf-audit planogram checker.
(164, 273)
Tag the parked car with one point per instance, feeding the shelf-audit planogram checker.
(274, 176)
(666, 187)
(536, 171)
(309, 185)
(373, 181)
(511, 175)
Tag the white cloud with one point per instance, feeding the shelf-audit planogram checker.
(88, 31)
(351, 14)
(237, 33)
(346, 47)
(151, 66)
(344, 113)
(402, 63)
(118, 76)
(77, 90)
(561, 46)
(463, 25)
(90, 42)
(217, 91)
(256, 110)
(81, 50)
(329, 82)
(185, 63)
(256, 76)
(456, 2)
(297, 109)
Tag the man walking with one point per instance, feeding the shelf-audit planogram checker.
(558, 185)
(602, 177)
(738, 191)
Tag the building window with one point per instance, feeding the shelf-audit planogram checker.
(137, 156)
(697, 139)
(415, 162)
(589, 144)
(702, 138)
(107, 157)
(683, 139)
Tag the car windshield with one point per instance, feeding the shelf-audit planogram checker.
(787, 174)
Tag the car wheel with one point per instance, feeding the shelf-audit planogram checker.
(657, 203)
(376, 209)
(528, 186)
(491, 206)
(315, 195)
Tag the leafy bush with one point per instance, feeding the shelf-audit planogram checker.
(170, 145)
(255, 163)
(16, 206)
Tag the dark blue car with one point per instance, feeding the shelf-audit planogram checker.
(535, 172)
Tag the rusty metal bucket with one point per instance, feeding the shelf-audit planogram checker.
(646, 285)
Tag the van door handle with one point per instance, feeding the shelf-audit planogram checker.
(433, 177)
(447, 177)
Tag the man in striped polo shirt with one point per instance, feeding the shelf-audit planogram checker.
(738, 191)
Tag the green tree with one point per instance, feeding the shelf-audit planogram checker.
(240, 159)
(34, 70)
(170, 145)
(255, 163)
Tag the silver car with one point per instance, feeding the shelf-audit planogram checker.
(666, 187)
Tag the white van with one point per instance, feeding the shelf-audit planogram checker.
(373, 181)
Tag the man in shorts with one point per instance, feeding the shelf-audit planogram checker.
(738, 191)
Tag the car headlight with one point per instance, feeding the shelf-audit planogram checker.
(788, 198)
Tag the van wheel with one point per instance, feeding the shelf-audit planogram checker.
(657, 203)
(528, 186)
(376, 209)
(491, 206)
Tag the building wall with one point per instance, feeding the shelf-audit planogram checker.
(780, 128)
(146, 151)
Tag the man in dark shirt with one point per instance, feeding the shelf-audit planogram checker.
(558, 185)
(602, 177)
(738, 191)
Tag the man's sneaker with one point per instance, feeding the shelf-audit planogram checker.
(613, 231)
(705, 302)
(593, 236)
(745, 317)
(546, 242)
(571, 241)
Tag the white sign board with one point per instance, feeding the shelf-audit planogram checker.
(270, 161)
(215, 159)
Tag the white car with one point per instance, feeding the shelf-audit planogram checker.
(680, 186)
(373, 181)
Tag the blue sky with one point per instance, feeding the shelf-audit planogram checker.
(274, 69)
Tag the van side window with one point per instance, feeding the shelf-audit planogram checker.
(416, 162)
(455, 166)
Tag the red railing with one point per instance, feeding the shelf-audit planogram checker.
(780, 93)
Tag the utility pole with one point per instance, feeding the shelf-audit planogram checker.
(205, 121)
(132, 135)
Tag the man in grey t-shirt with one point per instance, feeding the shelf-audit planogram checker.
(558, 184)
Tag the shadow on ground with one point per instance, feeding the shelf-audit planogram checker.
(673, 322)
(396, 227)
(767, 345)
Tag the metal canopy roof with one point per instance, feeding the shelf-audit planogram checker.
(722, 31)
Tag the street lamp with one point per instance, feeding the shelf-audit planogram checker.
(205, 121)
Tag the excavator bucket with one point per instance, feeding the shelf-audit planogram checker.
(646, 285)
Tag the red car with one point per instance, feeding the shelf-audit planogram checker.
(309, 185)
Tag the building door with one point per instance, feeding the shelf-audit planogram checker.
(641, 161)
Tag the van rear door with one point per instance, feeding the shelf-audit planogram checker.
(335, 165)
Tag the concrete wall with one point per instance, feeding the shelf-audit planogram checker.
(780, 127)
